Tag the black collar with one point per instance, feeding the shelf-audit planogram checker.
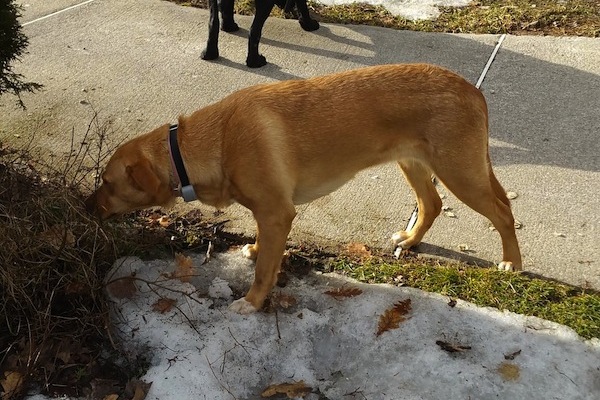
(181, 178)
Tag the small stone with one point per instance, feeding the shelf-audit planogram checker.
(446, 208)
(84, 102)
(450, 214)
(463, 247)
(559, 234)
(512, 195)
(518, 224)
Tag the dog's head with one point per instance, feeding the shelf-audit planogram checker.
(130, 182)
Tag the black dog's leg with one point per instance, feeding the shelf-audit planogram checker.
(306, 22)
(229, 24)
(211, 52)
(263, 9)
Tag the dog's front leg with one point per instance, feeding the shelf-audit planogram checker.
(306, 22)
(229, 24)
(274, 225)
(263, 9)
(211, 52)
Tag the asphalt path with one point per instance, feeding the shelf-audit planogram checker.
(137, 64)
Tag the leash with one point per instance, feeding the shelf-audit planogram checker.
(183, 187)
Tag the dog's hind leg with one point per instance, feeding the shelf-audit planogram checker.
(428, 202)
(476, 186)
(263, 9)
(306, 22)
(211, 52)
(251, 250)
(229, 24)
(274, 224)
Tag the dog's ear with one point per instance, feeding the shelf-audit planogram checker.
(142, 177)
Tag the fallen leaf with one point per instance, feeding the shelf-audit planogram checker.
(136, 389)
(452, 347)
(512, 355)
(509, 371)
(283, 300)
(12, 384)
(164, 221)
(184, 268)
(122, 288)
(58, 236)
(291, 390)
(358, 250)
(392, 317)
(164, 304)
(343, 292)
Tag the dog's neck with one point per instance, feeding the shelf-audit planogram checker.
(179, 177)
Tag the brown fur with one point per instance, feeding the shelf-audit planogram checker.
(272, 146)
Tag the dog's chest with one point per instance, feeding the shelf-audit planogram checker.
(313, 189)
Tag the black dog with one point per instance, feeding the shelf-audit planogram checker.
(263, 9)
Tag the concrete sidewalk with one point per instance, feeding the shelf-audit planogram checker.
(137, 63)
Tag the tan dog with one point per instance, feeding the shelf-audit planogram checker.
(272, 146)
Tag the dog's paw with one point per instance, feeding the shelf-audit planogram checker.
(249, 251)
(256, 61)
(210, 53)
(403, 240)
(308, 25)
(229, 26)
(506, 266)
(241, 306)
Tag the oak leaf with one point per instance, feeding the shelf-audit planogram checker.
(12, 384)
(291, 390)
(358, 250)
(122, 288)
(343, 292)
(392, 317)
(164, 304)
(282, 300)
(184, 268)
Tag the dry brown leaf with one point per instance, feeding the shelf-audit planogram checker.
(291, 390)
(358, 250)
(122, 288)
(283, 300)
(12, 384)
(452, 347)
(392, 317)
(56, 235)
(509, 371)
(164, 304)
(184, 268)
(137, 389)
(343, 292)
(111, 397)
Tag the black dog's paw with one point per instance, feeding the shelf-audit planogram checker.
(210, 54)
(229, 26)
(256, 61)
(308, 25)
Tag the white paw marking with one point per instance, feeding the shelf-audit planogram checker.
(399, 238)
(241, 306)
(506, 266)
(248, 251)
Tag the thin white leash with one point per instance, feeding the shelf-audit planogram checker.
(413, 217)
(58, 12)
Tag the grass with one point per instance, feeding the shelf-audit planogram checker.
(543, 17)
(575, 307)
